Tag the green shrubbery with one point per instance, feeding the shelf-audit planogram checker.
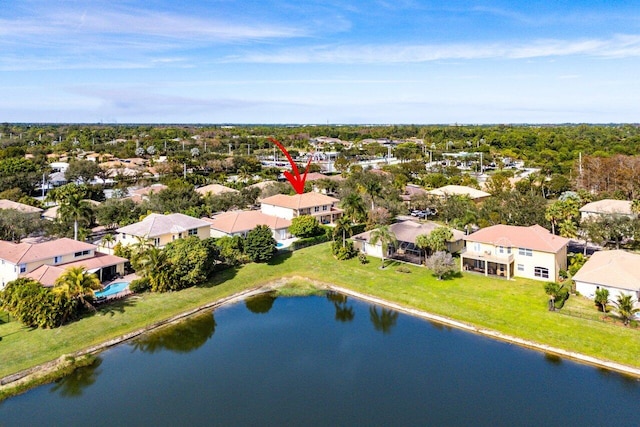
(140, 285)
(343, 252)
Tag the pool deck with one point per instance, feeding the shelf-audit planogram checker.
(126, 292)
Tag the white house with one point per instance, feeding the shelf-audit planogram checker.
(606, 207)
(617, 271)
(315, 204)
(24, 259)
(160, 229)
(239, 223)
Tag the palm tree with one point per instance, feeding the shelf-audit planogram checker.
(342, 227)
(386, 237)
(625, 304)
(373, 188)
(602, 298)
(72, 205)
(77, 284)
(108, 240)
(553, 289)
(353, 207)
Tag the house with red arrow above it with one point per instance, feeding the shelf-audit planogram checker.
(321, 206)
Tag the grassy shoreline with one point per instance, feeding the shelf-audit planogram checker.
(513, 308)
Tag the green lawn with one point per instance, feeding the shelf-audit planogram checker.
(516, 308)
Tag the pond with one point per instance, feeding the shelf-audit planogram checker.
(325, 361)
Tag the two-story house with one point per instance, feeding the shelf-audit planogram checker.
(288, 207)
(159, 229)
(508, 250)
(26, 259)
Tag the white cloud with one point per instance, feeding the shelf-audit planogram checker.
(615, 47)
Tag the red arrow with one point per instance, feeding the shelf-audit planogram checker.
(296, 181)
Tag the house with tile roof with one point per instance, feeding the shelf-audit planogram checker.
(159, 229)
(606, 207)
(239, 223)
(460, 190)
(615, 270)
(406, 233)
(21, 207)
(321, 206)
(509, 250)
(24, 259)
(215, 190)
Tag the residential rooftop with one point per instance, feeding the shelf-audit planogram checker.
(615, 268)
(459, 190)
(300, 201)
(155, 225)
(241, 221)
(608, 206)
(22, 253)
(534, 237)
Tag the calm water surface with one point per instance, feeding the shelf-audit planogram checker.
(325, 361)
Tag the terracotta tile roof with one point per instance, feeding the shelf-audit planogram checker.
(22, 253)
(215, 189)
(241, 221)
(10, 204)
(534, 237)
(608, 206)
(156, 225)
(48, 274)
(300, 201)
(407, 231)
(616, 268)
(459, 190)
(262, 184)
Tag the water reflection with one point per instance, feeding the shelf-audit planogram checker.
(553, 358)
(260, 304)
(73, 384)
(184, 337)
(344, 312)
(383, 319)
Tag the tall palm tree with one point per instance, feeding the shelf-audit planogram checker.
(108, 240)
(386, 237)
(373, 188)
(342, 227)
(353, 207)
(77, 284)
(625, 304)
(72, 205)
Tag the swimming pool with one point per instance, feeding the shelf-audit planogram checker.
(279, 245)
(112, 289)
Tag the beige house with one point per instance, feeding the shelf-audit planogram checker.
(617, 271)
(606, 207)
(323, 207)
(239, 223)
(159, 230)
(25, 259)
(21, 207)
(142, 194)
(508, 251)
(406, 233)
(215, 190)
(460, 190)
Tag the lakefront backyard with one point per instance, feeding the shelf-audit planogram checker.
(517, 308)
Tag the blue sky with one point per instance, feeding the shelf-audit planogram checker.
(390, 61)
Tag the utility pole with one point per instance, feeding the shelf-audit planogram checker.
(184, 170)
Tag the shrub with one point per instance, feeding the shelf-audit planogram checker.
(343, 252)
(139, 286)
(305, 226)
(309, 241)
(363, 258)
(403, 269)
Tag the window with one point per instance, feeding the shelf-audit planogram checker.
(156, 241)
(316, 208)
(476, 247)
(541, 272)
(525, 252)
(57, 259)
(23, 268)
(503, 250)
(81, 253)
(193, 232)
(520, 267)
(325, 207)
